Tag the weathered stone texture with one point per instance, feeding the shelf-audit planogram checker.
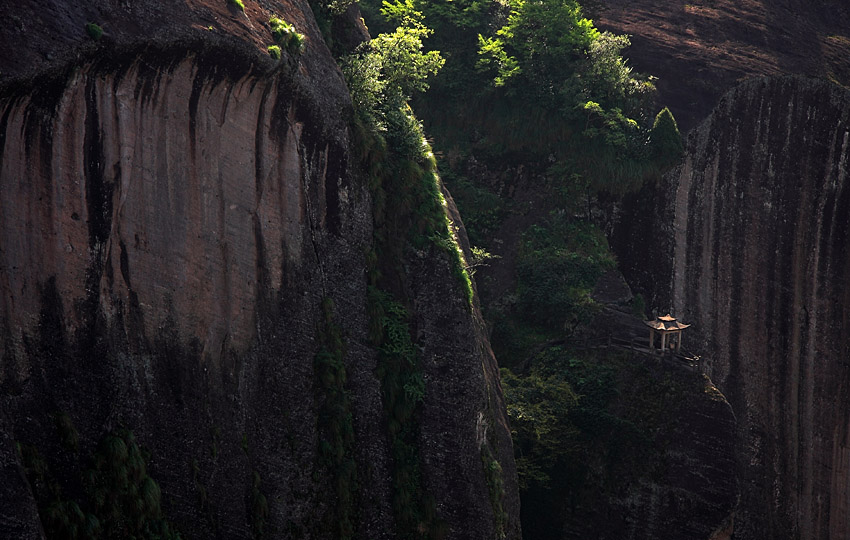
(170, 222)
(760, 224)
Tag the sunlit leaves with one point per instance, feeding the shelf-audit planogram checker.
(383, 73)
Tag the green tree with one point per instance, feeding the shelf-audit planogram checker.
(543, 41)
(665, 139)
(384, 73)
(539, 409)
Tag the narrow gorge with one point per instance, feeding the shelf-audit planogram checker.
(238, 300)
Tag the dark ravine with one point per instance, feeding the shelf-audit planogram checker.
(173, 216)
(692, 492)
(755, 222)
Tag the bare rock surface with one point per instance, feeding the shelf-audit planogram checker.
(755, 223)
(175, 209)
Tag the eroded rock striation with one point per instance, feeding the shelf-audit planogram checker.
(175, 216)
(756, 224)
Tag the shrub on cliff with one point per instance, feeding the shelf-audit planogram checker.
(665, 140)
(383, 73)
(285, 36)
(94, 31)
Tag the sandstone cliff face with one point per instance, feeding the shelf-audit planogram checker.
(173, 214)
(757, 231)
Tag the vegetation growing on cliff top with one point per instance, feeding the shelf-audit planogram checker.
(285, 36)
(537, 78)
(383, 74)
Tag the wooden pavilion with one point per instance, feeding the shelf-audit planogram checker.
(670, 330)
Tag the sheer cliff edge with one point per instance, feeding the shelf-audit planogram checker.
(184, 240)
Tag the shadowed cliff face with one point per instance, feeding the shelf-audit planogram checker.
(701, 48)
(172, 218)
(759, 211)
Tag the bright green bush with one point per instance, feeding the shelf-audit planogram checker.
(297, 44)
(281, 30)
(665, 139)
(383, 74)
(274, 51)
(285, 36)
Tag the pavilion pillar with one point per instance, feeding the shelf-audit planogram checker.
(671, 334)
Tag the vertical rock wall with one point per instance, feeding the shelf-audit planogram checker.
(171, 222)
(760, 221)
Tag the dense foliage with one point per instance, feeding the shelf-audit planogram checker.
(586, 426)
(118, 498)
(534, 76)
(529, 86)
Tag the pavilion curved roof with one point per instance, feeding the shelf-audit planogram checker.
(666, 324)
